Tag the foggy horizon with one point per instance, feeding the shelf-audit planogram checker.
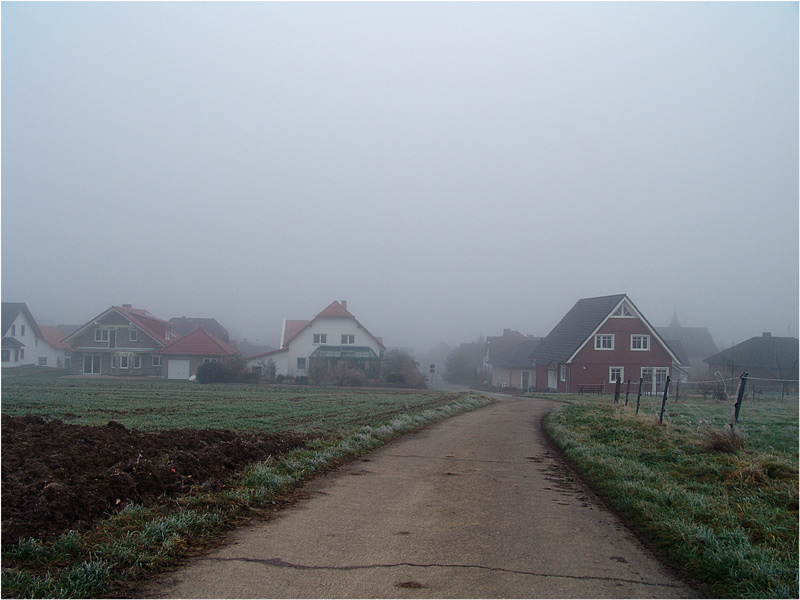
(450, 170)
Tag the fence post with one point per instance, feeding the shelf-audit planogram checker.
(627, 391)
(677, 390)
(616, 390)
(739, 396)
(639, 395)
(664, 400)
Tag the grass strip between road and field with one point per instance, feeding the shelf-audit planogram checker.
(720, 506)
(139, 540)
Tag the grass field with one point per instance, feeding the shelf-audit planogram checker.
(725, 514)
(138, 540)
(158, 404)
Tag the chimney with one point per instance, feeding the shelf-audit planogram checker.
(344, 304)
(766, 334)
(127, 306)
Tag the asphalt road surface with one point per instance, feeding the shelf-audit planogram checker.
(477, 506)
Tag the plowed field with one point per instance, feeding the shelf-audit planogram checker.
(57, 476)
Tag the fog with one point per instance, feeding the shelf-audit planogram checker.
(449, 169)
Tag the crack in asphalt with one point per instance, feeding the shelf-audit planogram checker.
(528, 459)
(279, 562)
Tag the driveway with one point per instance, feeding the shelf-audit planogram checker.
(477, 506)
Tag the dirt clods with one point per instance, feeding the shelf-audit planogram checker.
(57, 476)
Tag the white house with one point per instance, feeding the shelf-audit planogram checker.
(53, 352)
(26, 343)
(334, 338)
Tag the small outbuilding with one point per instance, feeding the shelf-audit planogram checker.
(186, 354)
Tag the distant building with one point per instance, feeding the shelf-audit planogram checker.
(21, 335)
(333, 338)
(121, 341)
(771, 362)
(598, 342)
(186, 325)
(495, 346)
(692, 344)
(602, 340)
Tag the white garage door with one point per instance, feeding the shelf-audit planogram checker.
(178, 369)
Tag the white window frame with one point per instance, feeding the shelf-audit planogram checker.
(137, 361)
(42, 361)
(320, 338)
(563, 372)
(133, 335)
(209, 360)
(124, 361)
(348, 338)
(22, 330)
(611, 374)
(101, 335)
(157, 361)
(643, 342)
(601, 338)
(302, 366)
(655, 382)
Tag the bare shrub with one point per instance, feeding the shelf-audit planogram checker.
(344, 377)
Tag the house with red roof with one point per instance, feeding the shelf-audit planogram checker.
(52, 351)
(334, 338)
(121, 341)
(183, 356)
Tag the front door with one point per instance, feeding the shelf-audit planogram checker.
(552, 379)
(526, 380)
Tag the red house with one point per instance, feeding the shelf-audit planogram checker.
(599, 341)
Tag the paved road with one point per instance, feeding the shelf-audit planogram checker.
(477, 506)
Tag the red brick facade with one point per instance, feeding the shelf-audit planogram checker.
(592, 366)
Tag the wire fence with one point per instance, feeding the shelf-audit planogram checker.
(705, 403)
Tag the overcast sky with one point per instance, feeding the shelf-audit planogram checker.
(449, 169)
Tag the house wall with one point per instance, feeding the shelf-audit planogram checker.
(511, 377)
(281, 360)
(592, 366)
(54, 356)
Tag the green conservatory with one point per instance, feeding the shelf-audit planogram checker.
(361, 358)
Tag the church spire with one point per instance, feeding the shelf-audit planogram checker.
(675, 322)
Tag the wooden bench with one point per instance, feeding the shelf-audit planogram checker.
(593, 388)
